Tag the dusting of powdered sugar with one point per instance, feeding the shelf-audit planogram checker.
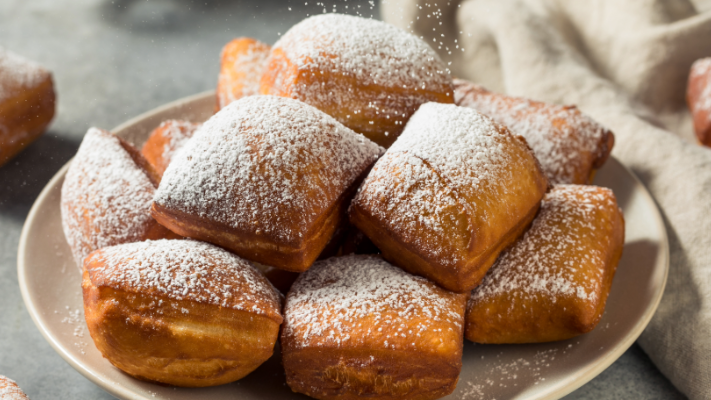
(701, 70)
(327, 304)
(549, 259)
(565, 141)
(248, 65)
(9, 390)
(185, 270)
(176, 133)
(463, 146)
(404, 193)
(372, 53)
(17, 74)
(469, 155)
(106, 197)
(266, 153)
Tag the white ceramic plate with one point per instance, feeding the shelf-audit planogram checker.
(51, 289)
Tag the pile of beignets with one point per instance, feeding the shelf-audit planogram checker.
(353, 201)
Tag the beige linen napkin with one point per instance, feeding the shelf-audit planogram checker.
(625, 63)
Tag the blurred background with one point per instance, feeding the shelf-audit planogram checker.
(113, 60)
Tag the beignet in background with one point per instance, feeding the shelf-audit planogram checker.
(180, 312)
(553, 283)
(268, 178)
(27, 103)
(698, 97)
(357, 327)
(165, 141)
(369, 75)
(242, 63)
(569, 145)
(106, 196)
(9, 390)
(452, 192)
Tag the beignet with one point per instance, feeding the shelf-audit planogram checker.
(553, 283)
(268, 178)
(369, 75)
(27, 102)
(698, 97)
(106, 196)
(165, 140)
(10, 391)
(452, 192)
(180, 312)
(357, 327)
(241, 65)
(569, 145)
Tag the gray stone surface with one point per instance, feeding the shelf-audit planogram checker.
(113, 60)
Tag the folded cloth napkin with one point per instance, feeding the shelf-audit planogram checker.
(625, 63)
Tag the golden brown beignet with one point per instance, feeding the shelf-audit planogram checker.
(241, 65)
(165, 140)
(357, 327)
(180, 312)
(27, 102)
(452, 192)
(267, 177)
(553, 283)
(698, 97)
(10, 391)
(106, 196)
(367, 74)
(569, 145)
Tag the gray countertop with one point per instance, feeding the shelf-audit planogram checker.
(113, 60)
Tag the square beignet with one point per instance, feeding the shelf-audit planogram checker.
(698, 98)
(180, 312)
(165, 141)
(268, 178)
(106, 196)
(358, 327)
(553, 283)
(569, 145)
(452, 192)
(369, 75)
(27, 102)
(242, 63)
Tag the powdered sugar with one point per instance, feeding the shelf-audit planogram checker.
(373, 52)
(248, 64)
(9, 390)
(262, 161)
(328, 303)
(18, 73)
(465, 147)
(177, 134)
(565, 141)
(407, 195)
(548, 260)
(186, 270)
(370, 69)
(106, 197)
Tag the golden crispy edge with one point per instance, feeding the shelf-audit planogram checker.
(377, 374)
(205, 346)
(286, 256)
(466, 276)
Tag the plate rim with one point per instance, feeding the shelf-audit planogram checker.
(118, 390)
